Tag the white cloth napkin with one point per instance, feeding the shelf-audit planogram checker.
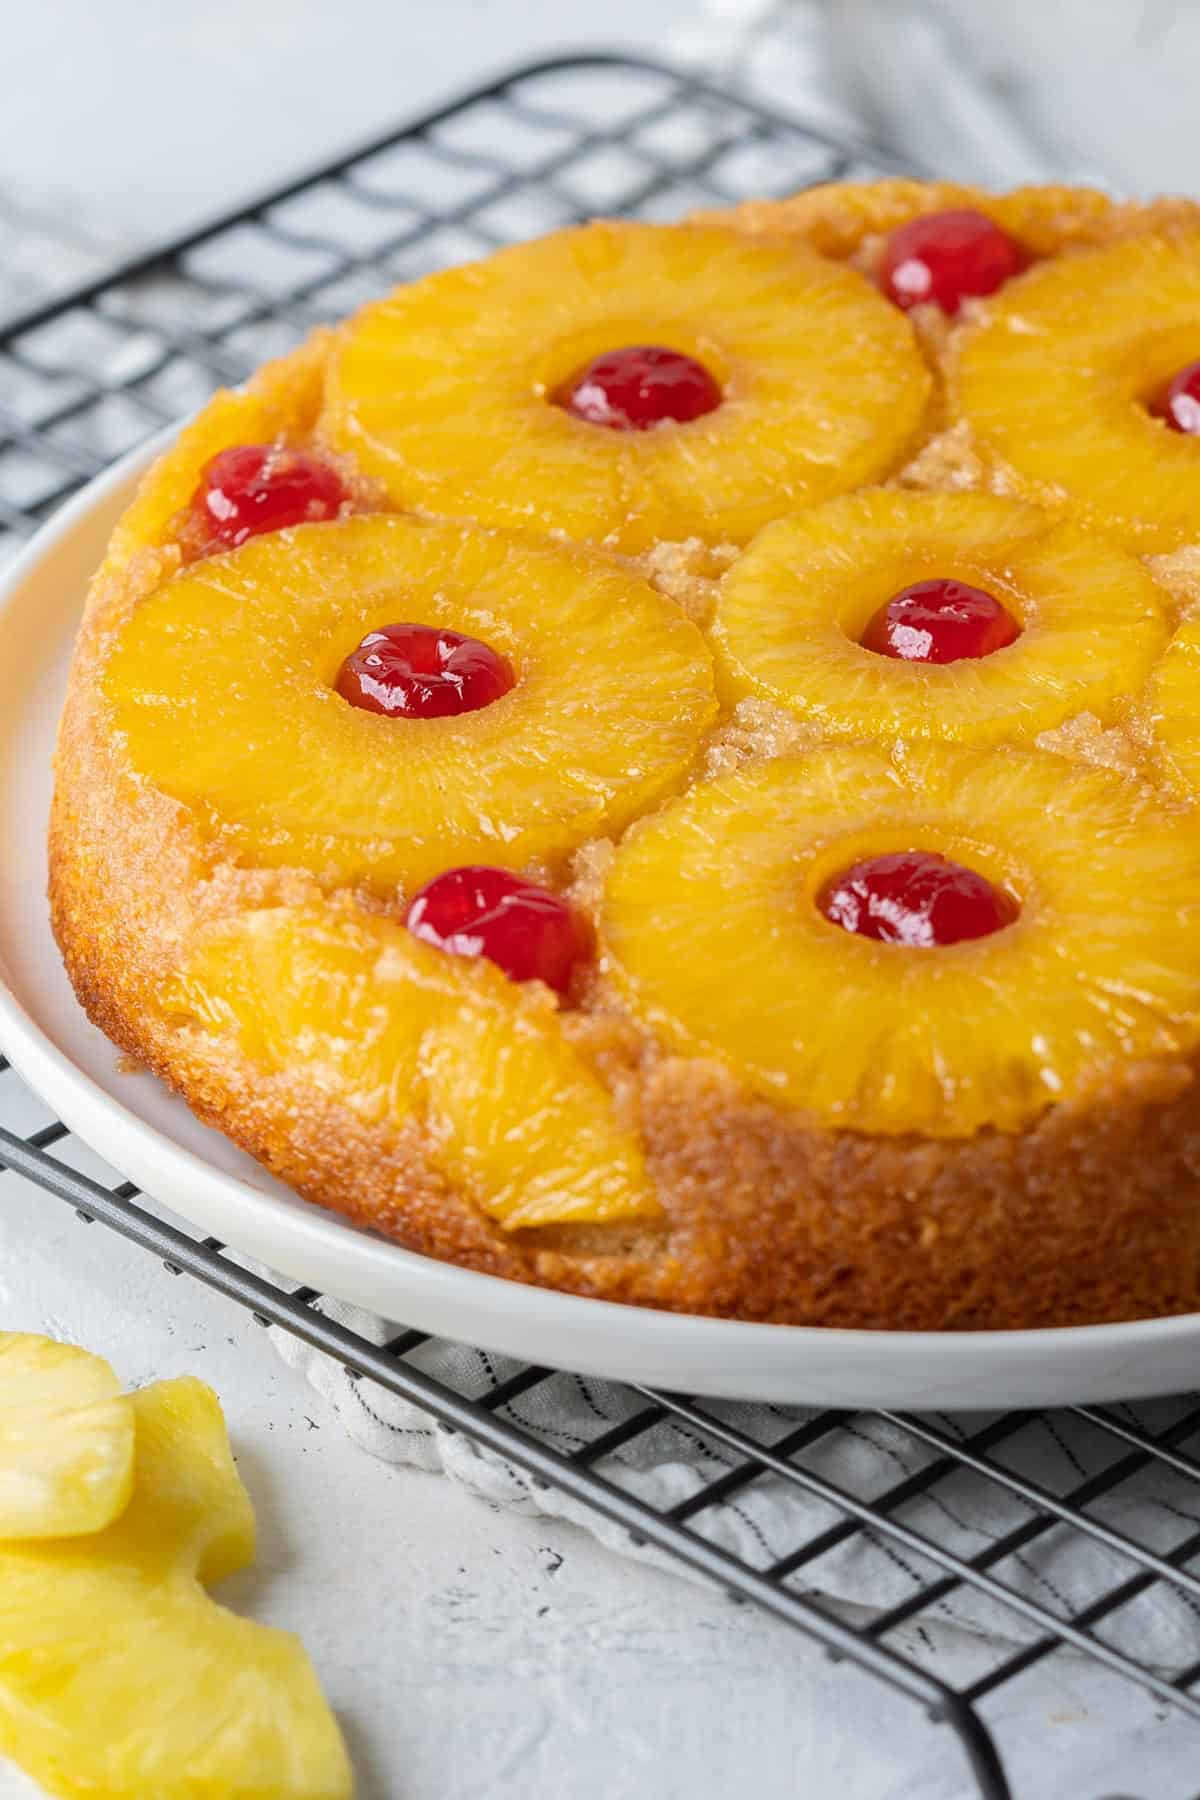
(965, 1512)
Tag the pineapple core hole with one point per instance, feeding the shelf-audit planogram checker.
(917, 898)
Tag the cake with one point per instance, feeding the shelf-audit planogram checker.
(662, 764)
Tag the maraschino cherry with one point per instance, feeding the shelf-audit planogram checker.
(948, 257)
(917, 898)
(1179, 404)
(940, 621)
(423, 672)
(253, 488)
(639, 387)
(529, 932)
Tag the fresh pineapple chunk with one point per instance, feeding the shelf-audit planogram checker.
(1057, 381)
(66, 1439)
(792, 612)
(445, 391)
(393, 1029)
(224, 683)
(121, 1680)
(712, 928)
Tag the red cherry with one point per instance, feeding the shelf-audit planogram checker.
(1179, 405)
(527, 931)
(940, 622)
(639, 387)
(948, 257)
(256, 487)
(423, 672)
(917, 898)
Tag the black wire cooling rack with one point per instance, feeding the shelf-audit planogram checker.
(91, 373)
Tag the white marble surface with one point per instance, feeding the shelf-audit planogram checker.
(473, 1655)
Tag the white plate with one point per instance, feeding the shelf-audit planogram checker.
(154, 1139)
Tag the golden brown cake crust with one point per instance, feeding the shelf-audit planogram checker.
(1090, 1214)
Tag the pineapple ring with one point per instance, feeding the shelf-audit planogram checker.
(712, 932)
(511, 1112)
(1175, 712)
(440, 391)
(791, 612)
(223, 683)
(1054, 381)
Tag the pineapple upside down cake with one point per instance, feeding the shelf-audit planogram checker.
(664, 763)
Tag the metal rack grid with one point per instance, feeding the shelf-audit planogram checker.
(86, 376)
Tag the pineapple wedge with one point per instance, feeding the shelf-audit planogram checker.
(121, 1680)
(393, 1028)
(66, 1439)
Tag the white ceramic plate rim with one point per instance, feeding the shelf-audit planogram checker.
(717, 1357)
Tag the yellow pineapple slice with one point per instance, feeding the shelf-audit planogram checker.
(223, 683)
(1056, 383)
(712, 930)
(1175, 704)
(66, 1439)
(395, 1029)
(793, 608)
(121, 1680)
(444, 391)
